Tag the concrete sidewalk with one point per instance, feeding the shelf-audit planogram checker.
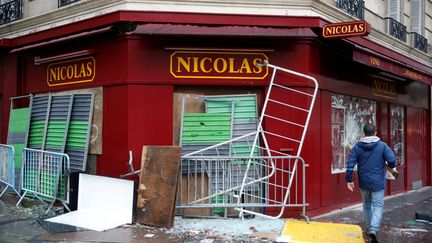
(23, 224)
(398, 223)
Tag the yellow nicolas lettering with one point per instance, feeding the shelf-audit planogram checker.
(218, 65)
(353, 28)
(384, 88)
(69, 72)
(237, 65)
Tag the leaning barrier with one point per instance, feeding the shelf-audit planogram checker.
(210, 186)
(7, 168)
(45, 174)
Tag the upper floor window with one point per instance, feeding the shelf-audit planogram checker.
(394, 9)
(10, 10)
(417, 16)
(62, 3)
(353, 7)
(396, 29)
(418, 41)
(394, 26)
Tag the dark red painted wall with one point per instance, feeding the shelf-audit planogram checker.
(134, 116)
(10, 87)
(138, 101)
(111, 65)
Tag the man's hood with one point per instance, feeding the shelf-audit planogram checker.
(369, 143)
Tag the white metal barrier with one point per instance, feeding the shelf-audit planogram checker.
(288, 108)
(298, 126)
(46, 175)
(209, 182)
(7, 168)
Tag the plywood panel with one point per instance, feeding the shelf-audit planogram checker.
(157, 185)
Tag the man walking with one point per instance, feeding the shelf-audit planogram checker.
(370, 154)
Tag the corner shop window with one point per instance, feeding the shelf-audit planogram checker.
(397, 132)
(349, 115)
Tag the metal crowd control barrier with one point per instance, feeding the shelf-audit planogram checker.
(7, 168)
(272, 184)
(46, 175)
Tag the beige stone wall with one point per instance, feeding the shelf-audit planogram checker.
(40, 15)
(34, 8)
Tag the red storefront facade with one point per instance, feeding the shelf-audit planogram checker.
(144, 71)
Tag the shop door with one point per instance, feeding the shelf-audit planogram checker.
(397, 143)
(416, 148)
(391, 130)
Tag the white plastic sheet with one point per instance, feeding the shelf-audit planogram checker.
(103, 203)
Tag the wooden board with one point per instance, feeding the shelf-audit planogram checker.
(160, 167)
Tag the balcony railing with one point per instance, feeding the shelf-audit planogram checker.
(397, 29)
(62, 3)
(419, 42)
(10, 11)
(353, 7)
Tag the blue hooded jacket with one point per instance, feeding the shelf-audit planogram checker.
(370, 155)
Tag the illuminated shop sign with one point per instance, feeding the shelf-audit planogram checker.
(71, 72)
(220, 65)
(388, 66)
(412, 74)
(383, 87)
(346, 29)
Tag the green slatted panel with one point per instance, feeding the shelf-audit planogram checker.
(39, 107)
(36, 134)
(59, 114)
(245, 118)
(17, 131)
(18, 120)
(55, 134)
(245, 121)
(77, 135)
(47, 185)
(30, 181)
(18, 148)
(209, 128)
(203, 127)
(18, 125)
(245, 107)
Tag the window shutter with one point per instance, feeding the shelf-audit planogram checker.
(394, 9)
(416, 17)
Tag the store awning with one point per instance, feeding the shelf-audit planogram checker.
(226, 31)
(61, 39)
(390, 67)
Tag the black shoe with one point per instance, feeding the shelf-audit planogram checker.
(373, 236)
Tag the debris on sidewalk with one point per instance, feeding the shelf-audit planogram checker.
(424, 215)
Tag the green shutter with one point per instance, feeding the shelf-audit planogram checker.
(202, 127)
(245, 118)
(58, 122)
(78, 137)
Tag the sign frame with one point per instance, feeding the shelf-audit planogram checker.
(347, 29)
(64, 64)
(218, 55)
